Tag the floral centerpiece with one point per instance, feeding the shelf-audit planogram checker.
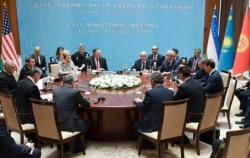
(115, 82)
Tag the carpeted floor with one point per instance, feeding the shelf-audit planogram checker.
(128, 149)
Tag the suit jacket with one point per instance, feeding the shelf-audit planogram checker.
(42, 65)
(214, 83)
(164, 66)
(102, 61)
(193, 90)
(138, 65)
(9, 148)
(67, 101)
(24, 72)
(152, 107)
(190, 63)
(7, 83)
(25, 90)
(79, 59)
(160, 59)
(201, 76)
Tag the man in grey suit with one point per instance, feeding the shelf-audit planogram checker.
(192, 89)
(151, 104)
(67, 101)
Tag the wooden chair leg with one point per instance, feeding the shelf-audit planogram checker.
(158, 149)
(21, 138)
(198, 144)
(139, 144)
(228, 120)
(182, 147)
(62, 150)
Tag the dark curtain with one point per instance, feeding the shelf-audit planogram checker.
(239, 7)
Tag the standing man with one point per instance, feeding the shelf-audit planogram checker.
(40, 61)
(143, 63)
(193, 61)
(97, 62)
(214, 83)
(169, 64)
(67, 101)
(156, 58)
(7, 80)
(151, 104)
(26, 89)
(30, 63)
(79, 58)
(192, 89)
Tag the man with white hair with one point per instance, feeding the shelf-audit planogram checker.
(170, 63)
(40, 61)
(7, 80)
(143, 63)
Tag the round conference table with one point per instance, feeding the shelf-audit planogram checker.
(113, 118)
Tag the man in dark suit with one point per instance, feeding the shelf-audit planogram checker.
(9, 148)
(214, 83)
(169, 64)
(97, 62)
(67, 101)
(79, 58)
(201, 74)
(7, 80)
(242, 93)
(156, 58)
(30, 63)
(193, 61)
(151, 104)
(26, 89)
(40, 61)
(193, 90)
(143, 63)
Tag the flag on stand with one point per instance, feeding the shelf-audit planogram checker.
(228, 49)
(213, 46)
(8, 47)
(242, 57)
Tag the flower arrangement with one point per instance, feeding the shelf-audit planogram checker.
(115, 82)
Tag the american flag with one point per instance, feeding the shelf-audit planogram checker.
(8, 47)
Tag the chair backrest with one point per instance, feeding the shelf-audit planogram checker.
(9, 110)
(53, 68)
(230, 92)
(211, 110)
(237, 144)
(46, 121)
(173, 119)
(226, 76)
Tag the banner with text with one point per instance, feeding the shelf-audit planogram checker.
(121, 28)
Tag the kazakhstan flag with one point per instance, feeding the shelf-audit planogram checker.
(228, 48)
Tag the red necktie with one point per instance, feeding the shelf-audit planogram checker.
(97, 64)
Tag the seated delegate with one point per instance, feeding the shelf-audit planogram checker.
(66, 65)
(143, 63)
